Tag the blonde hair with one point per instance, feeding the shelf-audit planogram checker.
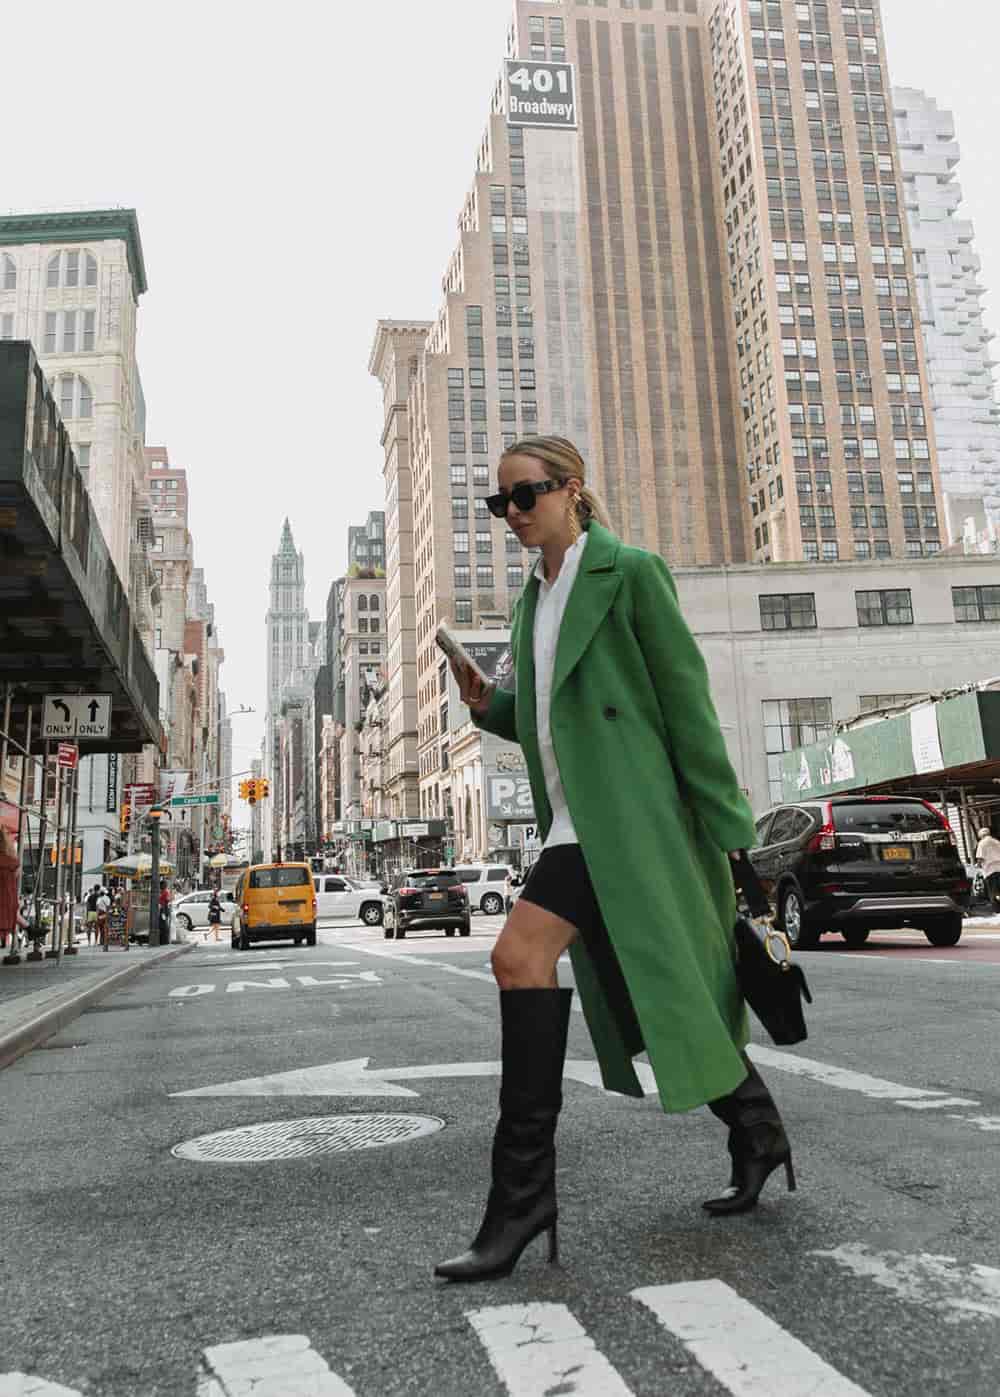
(561, 460)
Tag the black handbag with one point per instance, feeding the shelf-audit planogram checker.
(771, 983)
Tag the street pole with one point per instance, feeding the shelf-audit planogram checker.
(43, 820)
(71, 948)
(154, 880)
(57, 917)
(22, 825)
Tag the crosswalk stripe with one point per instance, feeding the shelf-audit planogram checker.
(745, 1351)
(21, 1385)
(541, 1349)
(279, 1365)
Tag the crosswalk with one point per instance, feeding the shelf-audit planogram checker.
(539, 1349)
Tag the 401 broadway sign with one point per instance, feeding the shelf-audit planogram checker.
(541, 94)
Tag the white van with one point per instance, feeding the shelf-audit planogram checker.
(488, 886)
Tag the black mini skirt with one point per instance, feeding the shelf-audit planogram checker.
(560, 883)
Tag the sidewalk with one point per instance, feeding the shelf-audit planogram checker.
(41, 997)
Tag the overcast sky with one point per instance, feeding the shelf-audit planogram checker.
(298, 170)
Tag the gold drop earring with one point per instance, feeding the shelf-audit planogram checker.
(575, 528)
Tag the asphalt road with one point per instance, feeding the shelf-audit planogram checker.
(129, 1270)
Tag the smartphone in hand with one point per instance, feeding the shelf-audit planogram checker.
(447, 641)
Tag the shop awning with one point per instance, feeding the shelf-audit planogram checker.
(65, 622)
(951, 744)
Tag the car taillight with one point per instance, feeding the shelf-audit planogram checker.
(825, 839)
(246, 910)
(409, 892)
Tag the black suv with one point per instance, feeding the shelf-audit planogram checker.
(856, 864)
(425, 898)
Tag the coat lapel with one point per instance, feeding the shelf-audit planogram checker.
(525, 671)
(594, 591)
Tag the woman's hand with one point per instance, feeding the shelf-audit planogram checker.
(474, 691)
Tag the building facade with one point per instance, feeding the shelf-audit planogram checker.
(366, 544)
(70, 283)
(395, 362)
(957, 343)
(838, 443)
(362, 639)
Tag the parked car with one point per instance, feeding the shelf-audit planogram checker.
(427, 898)
(274, 902)
(191, 910)
(488, 886)
(362, 882)
(338, 897)
(856, 864)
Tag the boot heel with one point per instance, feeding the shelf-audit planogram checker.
(789, 1174)
(553, 1246)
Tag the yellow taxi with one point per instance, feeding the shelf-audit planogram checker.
(274, 902)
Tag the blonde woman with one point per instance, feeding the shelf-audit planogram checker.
(641, 810)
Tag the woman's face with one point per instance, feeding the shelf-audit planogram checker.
(549, 519)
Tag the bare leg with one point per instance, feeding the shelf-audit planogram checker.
(527, 951)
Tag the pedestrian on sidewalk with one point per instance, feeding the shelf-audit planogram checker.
(8, 887)
(91, 914)
(164, 906)
(620, 738)
(214, 913)
(988, 855)
(103, 910)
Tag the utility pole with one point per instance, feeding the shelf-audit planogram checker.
(154, 879)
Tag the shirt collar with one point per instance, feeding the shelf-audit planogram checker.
(571, 556)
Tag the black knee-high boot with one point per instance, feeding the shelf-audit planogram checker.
(522, 1200)
(757, 1143)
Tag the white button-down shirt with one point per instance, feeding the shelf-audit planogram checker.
(552, 599)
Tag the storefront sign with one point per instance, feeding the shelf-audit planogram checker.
(508, 797)
(111, 795)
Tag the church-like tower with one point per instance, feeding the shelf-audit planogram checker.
(287, 651)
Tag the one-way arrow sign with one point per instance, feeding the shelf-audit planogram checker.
(356, 1079)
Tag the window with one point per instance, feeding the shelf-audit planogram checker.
(456, 378)
(484, 541)
(75, 397)
(460, 507)
(461, 542)
(480, 475)
(463, 612)
(463, 576)
(794, 611)
(67, 268)
(8, 273)
(456, 441)
(362, 603)
(885, 608)
(480, 441)
(459, 475)
(7, 326)
(484, 575)
(515, 577)
(363, 624)
(976, 603)
(791, 723)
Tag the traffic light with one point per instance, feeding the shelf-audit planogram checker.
(263, 790)
(252, 792)
(244, 790)
(126, 816)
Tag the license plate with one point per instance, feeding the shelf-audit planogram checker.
(436, 897)
(289, 902)
(897, 853)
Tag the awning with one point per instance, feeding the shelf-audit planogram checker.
(949, 745)
(65, 622)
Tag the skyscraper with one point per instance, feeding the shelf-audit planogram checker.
(949, 292)
(287, 624)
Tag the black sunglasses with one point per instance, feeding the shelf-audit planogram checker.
(524, 494)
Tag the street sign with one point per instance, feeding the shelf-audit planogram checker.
(196, 800)
(76, 715)
(414, 831)
(140, 793)
(67, 755)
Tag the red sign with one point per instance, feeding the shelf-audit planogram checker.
(140, 793)
(67, 755)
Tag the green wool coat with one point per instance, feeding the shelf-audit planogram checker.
(656, 806)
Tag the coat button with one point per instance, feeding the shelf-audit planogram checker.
(611, 714)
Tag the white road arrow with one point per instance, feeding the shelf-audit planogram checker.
(357, 1079)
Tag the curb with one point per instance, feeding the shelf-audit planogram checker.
(17, 1041)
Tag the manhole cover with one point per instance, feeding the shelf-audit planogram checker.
(302, 1139)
